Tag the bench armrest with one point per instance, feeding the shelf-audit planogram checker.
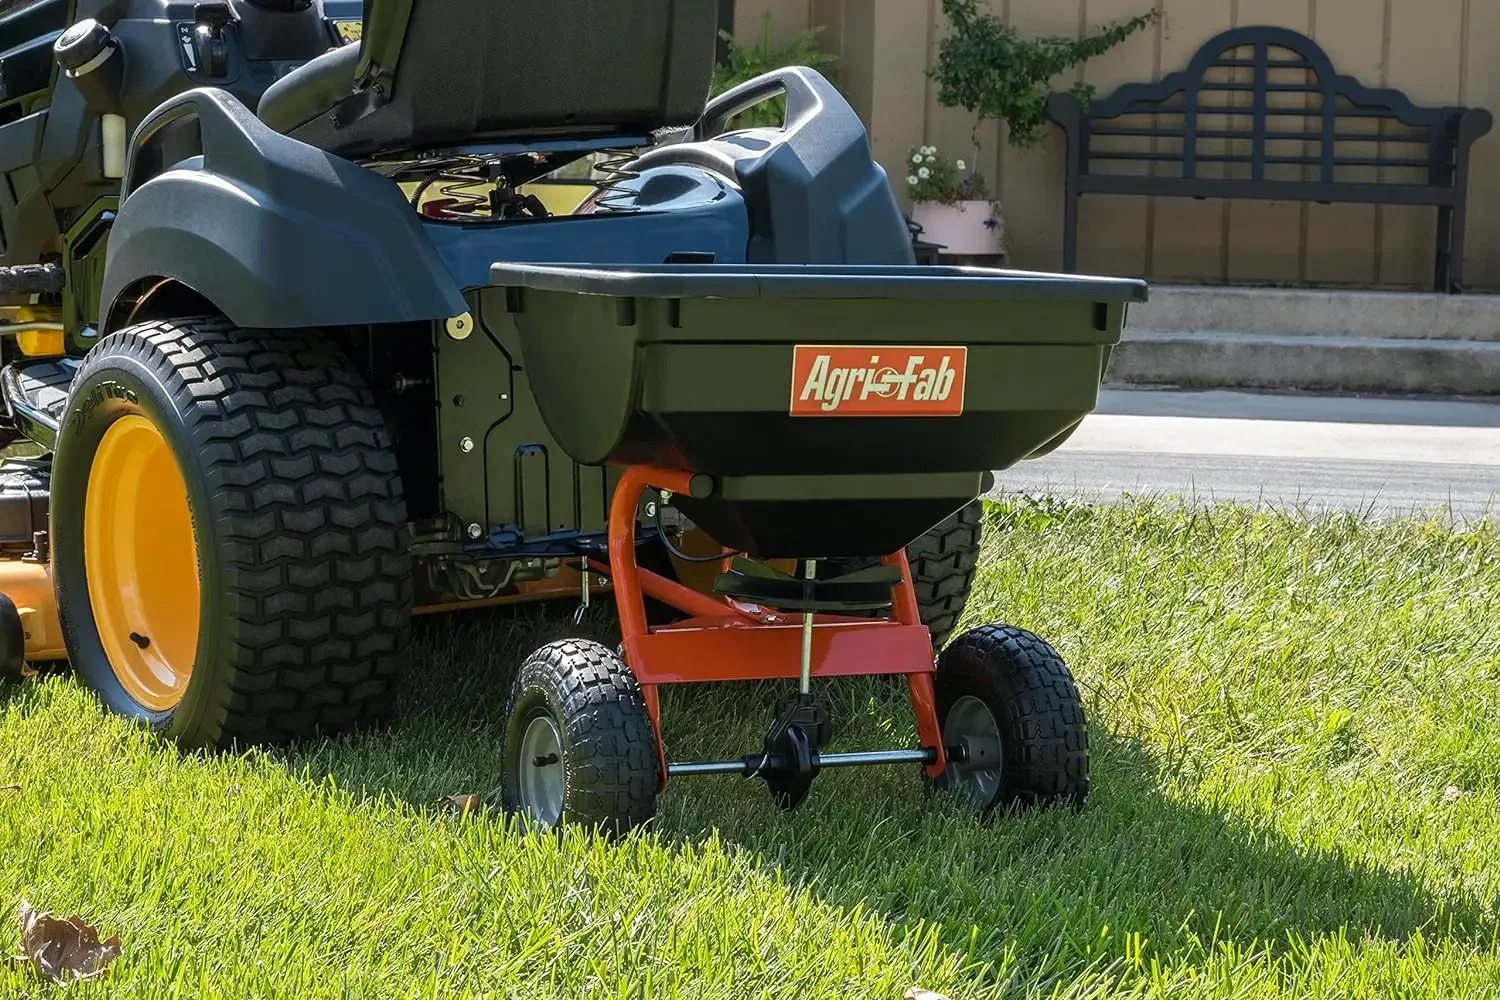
(1474, 124)
(1064, 110)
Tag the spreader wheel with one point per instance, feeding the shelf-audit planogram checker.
(579, 745)
(1012, 721)
(229, 537)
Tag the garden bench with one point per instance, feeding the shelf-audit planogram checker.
(1260, 113)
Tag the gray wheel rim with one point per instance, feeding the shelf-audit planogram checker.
(543, 780)
(970, 716)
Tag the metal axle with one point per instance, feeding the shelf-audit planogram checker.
(752, 763)
(804, 683)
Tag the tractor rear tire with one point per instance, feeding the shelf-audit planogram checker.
(943, 562)
(229, 535)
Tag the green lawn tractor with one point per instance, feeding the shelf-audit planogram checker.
(294, 354)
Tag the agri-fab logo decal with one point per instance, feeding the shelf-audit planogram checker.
(878, 381)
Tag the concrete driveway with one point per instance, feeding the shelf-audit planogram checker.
(1389, 457)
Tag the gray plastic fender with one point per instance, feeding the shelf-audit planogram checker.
(272, 231)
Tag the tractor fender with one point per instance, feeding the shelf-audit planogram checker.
(274, 232)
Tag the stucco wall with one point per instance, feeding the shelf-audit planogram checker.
(1438, 51)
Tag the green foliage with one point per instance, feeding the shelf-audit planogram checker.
(746, 62)
(931, 176)
(987, 68)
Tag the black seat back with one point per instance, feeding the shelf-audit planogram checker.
(441, 72)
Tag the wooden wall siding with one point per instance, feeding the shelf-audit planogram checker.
(1435, 50)
(787, 17)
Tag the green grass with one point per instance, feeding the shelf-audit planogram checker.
(1280, 708)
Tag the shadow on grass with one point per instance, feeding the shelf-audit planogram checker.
(1055, 889)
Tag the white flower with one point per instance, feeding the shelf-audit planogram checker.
(961, 165)
(913, 180)
(928, 150)
(924, 173)
(916, 158)
(932, 159)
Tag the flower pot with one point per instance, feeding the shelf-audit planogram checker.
(963, 228)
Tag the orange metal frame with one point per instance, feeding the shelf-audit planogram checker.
(726, 640)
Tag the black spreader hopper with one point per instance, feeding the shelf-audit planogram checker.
(840, 410)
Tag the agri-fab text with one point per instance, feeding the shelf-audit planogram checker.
(878, 382)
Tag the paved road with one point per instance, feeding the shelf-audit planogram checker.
(1387, 456)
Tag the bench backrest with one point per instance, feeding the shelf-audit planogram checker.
(1264, 105)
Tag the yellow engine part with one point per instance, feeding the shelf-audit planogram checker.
(29, 586)
(37, 330)
(36, 342)
(700, 575)
(141, 561)
(566, 582)
(560, 198)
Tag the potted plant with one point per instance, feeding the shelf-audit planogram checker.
(985, 67)
(951, 204)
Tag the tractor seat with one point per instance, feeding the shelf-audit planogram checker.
(432, 75)
(309, 91)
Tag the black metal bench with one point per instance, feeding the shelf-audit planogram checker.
(1260, 113)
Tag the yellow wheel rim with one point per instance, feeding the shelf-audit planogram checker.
(142, 563)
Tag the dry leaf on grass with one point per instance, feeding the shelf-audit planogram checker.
(464, 803)
(65, 950)
(917, 993)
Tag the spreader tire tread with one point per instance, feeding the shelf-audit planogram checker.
(943, 563)
(1032, 694)
(609, 746)
(309, 524)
